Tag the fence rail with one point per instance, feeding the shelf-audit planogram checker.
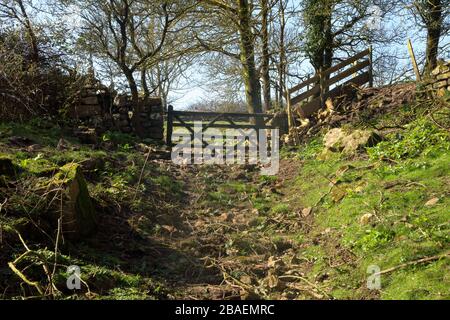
(187, 119)
(312, 100)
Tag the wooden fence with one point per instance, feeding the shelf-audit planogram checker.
(326, 84)
(239, 121)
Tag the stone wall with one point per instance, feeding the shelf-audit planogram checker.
(439, 80)
(92, 107)
(98, 110)
(153, 119)
(122, 113)
(151, 116)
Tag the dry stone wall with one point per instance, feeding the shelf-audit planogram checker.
(92, 107)
(151, 116)
(153, 120)
(122, 113)
(439, 80)
(98, 110)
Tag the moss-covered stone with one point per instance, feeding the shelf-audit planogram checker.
(79, 216)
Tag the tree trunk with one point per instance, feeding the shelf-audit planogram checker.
(137, 110)
(30, 31)
(282, 62)
(144, 83)
(328, 46)
(434, 30)
(250, 74)
(265, 55)
(320, 38)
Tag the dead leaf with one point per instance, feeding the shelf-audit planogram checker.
(249, 295)
(274, 283)
(432, 202)
(366, 219)
(246, 279)
(170, 229)
(342, 170)
(227, 217)
(275, 263)
(306, 212)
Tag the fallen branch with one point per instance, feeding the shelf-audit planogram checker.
(52, 288)
(308, 282)
(142, 174)
(411, 263)
(323, 197)
(25, 279)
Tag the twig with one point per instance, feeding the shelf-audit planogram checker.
(308, 282)
(226, 275)
(58, 235)
(141, 175)
(413, 183)
(323, 197)
(437, 124)
(411, 263)
(52, 286)
(2, 204)
(25, 279)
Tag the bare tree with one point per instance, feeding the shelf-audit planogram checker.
(17, 11)
(117, 30)
(265, 65)
(239, 15)
(431, 15)
(340, 25)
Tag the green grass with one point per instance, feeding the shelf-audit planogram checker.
(403, 228)
(280, 208)
(393, 185)
(112, 178)
(42, 133)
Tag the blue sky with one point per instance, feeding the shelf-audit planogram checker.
(198, 92)
(197, 86)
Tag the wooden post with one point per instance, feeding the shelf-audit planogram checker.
(291, 123)
(289, 109)
(169, 130)
(371, 67)
(414, 61)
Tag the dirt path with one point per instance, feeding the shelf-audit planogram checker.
(231, 243)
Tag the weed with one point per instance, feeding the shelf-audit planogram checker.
(421, 137)
(280, 208)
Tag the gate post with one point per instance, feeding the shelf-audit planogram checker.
(322, 87)
(169, 129)
(371, 67)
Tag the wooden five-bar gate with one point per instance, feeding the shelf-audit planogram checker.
(238, 121)
(326, 84)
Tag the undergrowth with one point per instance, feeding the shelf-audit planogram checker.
(112, 178)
